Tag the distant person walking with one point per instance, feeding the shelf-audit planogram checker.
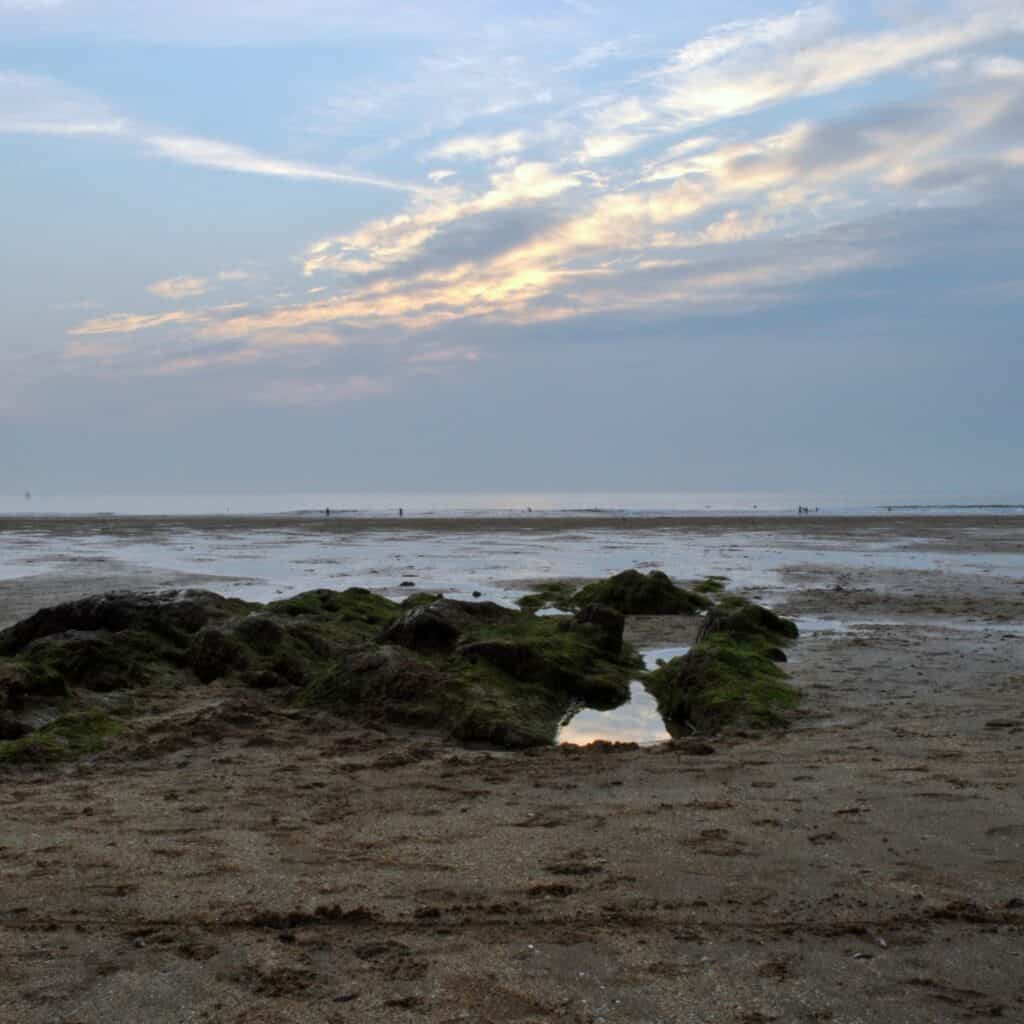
(401, 511)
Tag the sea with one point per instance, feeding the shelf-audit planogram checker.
(509, 504)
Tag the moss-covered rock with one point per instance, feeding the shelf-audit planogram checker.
(513, 657)
(355, 605)
(711, 585)
(262, 633)
(473, 670)
(731, 676)
(99, 661)
(69, 736)
(555, 594)
(173, 615)
(636, 593)
(742, 618)
(603, 624)
(423, 628)
(216, 652)
(499, 676)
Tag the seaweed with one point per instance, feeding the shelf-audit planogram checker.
(72, 735)
(474, 670)
(711, 585)
(509, 679)
(636, 593)
(731, 677)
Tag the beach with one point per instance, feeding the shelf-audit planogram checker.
(235, 859)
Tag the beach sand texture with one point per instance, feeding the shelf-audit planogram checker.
(236, 860)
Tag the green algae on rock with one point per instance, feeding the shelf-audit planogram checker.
(474, 670)
(556, 594)
(731, 676)
(630, 593)
(70, 736)
(636, 593)
(711, 585)
(482, 672)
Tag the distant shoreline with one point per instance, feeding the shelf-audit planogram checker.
(823, 523)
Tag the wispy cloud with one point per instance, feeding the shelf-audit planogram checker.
(1001, 67)
(225, 156)
(180, 287)
(130, 323)
(477, 147)
(305, 392)
(748, 66)
(201, 361)
(383, 243)
(574, 219)
(34, 105)
(439, 356)
(31, 5)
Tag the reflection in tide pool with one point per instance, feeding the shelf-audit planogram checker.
(652, 657)
(636, 721)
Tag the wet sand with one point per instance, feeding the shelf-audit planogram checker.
(958, 529)
(239, 861)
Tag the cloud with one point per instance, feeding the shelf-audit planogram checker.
(129, 323)
(746, 218)
(30, 5)
(594, 55)
(713, 224)
(1001, 67)
(34, 105)
(452, 354)
(96, 350)
(225, 156)
(258, 338)
(202, 361)
(734, 37)
(303, 392)
(479, 147)
(276, 22)
(436, 95)
(180, 287)
(710, 195)
(383, 243)
(747, 66)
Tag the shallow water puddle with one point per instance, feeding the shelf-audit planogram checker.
(656, 654)
(808, 624)
(636, 721)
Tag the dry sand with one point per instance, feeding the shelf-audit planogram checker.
(237, 861)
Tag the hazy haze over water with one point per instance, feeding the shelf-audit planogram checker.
(500, 504)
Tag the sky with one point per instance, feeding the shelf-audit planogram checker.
(576, 245)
